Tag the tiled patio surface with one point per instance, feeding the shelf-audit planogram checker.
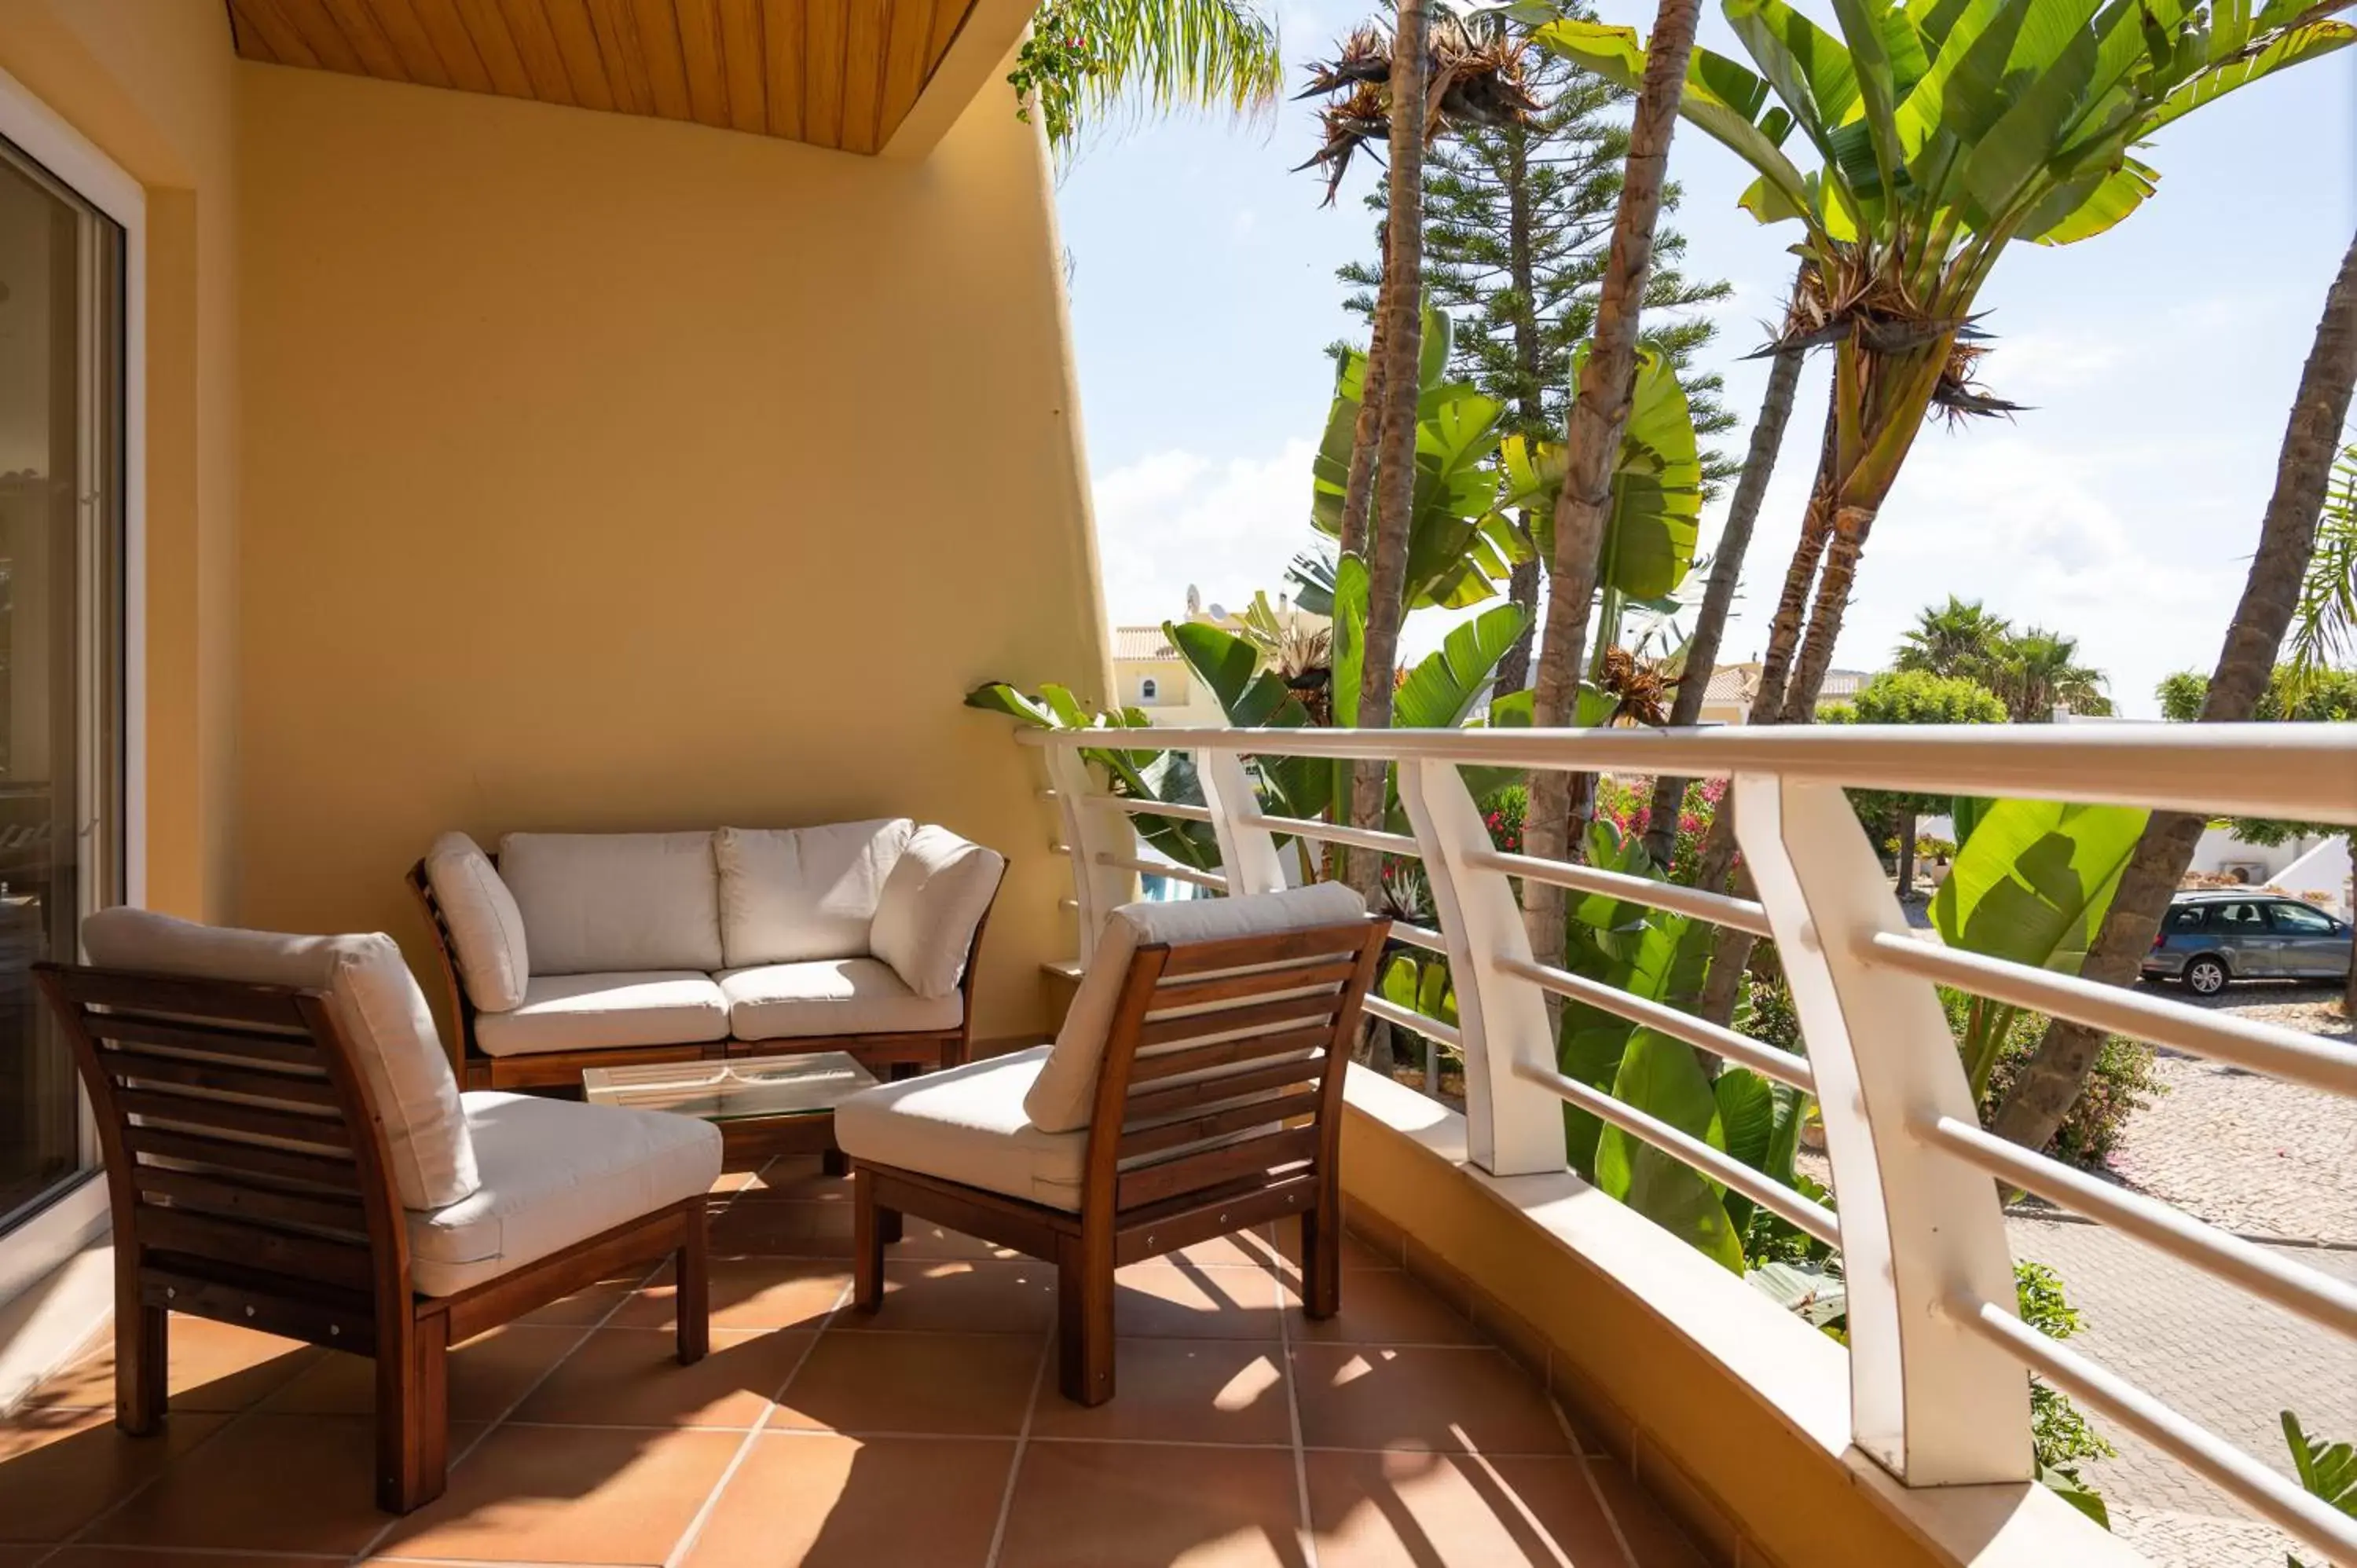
(928, 1436)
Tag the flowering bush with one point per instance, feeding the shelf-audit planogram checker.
(1504, 811)
(1628, 804)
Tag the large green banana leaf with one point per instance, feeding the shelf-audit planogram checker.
(1256, 698)
(1648, 542)
(1662, 1078)
(1450, 562)
(1959, 126)
(1135, 773)
(1762, 1125)
(2031, 885)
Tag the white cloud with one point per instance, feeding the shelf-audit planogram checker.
(1176, 517)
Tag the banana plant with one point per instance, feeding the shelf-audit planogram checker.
(1941, 130)
(1135, 773)
(2031, 885)
(2327, 1470)
(1456, 553)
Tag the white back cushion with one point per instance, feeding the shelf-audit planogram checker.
(375, 1002)
(1064, 1097)
(939, 891)
(486, 927)
(596, 902)
(790, 895)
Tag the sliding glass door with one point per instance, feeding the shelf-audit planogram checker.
(61, 437)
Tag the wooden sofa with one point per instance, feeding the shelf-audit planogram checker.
(763, 918)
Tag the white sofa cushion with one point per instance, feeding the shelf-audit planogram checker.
(790, 894)
(556, 1173)
(376, 1003)
(1065, 1097)
(601, 902)
(593, 1012)
(486, 927)
(829, 996)
(967, 1124)
(939, 891)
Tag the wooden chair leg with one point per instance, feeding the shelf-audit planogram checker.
(1084, 1337)
(868, 1228)
(692, 1300)
(142, 1364)
(413, 1414)
(833, 1163)
(1321, 1260)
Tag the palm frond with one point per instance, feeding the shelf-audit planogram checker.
(1211, 56)
(2324, 626)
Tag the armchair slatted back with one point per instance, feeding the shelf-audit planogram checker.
(246, 1162)
(1223, 1071)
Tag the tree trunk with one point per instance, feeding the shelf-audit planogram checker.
(1402, 334)
(1523, 582)
(2051, 1081)
(1719, 593)
(1598, 416)
(1359, 488)
(1521, 588)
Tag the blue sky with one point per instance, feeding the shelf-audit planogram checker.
(2160, 358)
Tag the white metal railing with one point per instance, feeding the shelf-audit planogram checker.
(1938, 1394)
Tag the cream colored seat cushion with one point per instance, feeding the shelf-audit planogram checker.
(829, 996)
(938, 892)
(791, 893)
(376, 1003)
(555, 1173)
(486, 927)
(967, 1125)
(1065, 1097)
(604, 903)
(593, 1012)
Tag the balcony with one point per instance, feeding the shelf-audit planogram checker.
(1244, 1433)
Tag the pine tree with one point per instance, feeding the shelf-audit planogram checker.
(1517, 223)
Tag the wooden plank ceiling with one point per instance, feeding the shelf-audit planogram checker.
(836, 73)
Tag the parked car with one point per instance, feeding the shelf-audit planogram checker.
(2220, 934)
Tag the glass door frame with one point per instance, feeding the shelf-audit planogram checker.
(45, 1240)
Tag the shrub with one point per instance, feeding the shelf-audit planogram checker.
(1628, 804)
(2122, 1083)
(1504, 813)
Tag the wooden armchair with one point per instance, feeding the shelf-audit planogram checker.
(265, 1135)
(1196, 1089)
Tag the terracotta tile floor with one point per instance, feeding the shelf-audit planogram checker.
(928, 1437)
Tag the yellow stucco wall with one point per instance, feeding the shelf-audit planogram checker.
(604, 473)
(151, 83)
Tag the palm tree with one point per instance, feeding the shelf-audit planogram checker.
(2324, 626)
(1958, 638)
(1452, 77)
(2038, 670)
(2054, 1076)
(1930, 164)
(1088, 61)
(1701, 652)
(1608, 380)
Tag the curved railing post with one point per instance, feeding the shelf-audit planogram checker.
(1247, 854)
(1513, 1127)
(1091, 828)
(1932, 1402)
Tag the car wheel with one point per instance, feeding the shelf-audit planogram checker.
(2205, 976)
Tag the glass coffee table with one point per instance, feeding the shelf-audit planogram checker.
(764, 1106)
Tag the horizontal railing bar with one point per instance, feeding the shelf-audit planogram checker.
(2319, 1297)
(1716, 907)
(1137, 807)
(1334, 832)
(1766, 1060)
(1716, 1163)
(2242, 1042)
(2267, 1493)
(1408, 1018)
(1419, 936)
(1153, 869)
(2295, 772)
(1058, 846)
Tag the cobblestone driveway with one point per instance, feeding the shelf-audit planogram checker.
(2257, 1156)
